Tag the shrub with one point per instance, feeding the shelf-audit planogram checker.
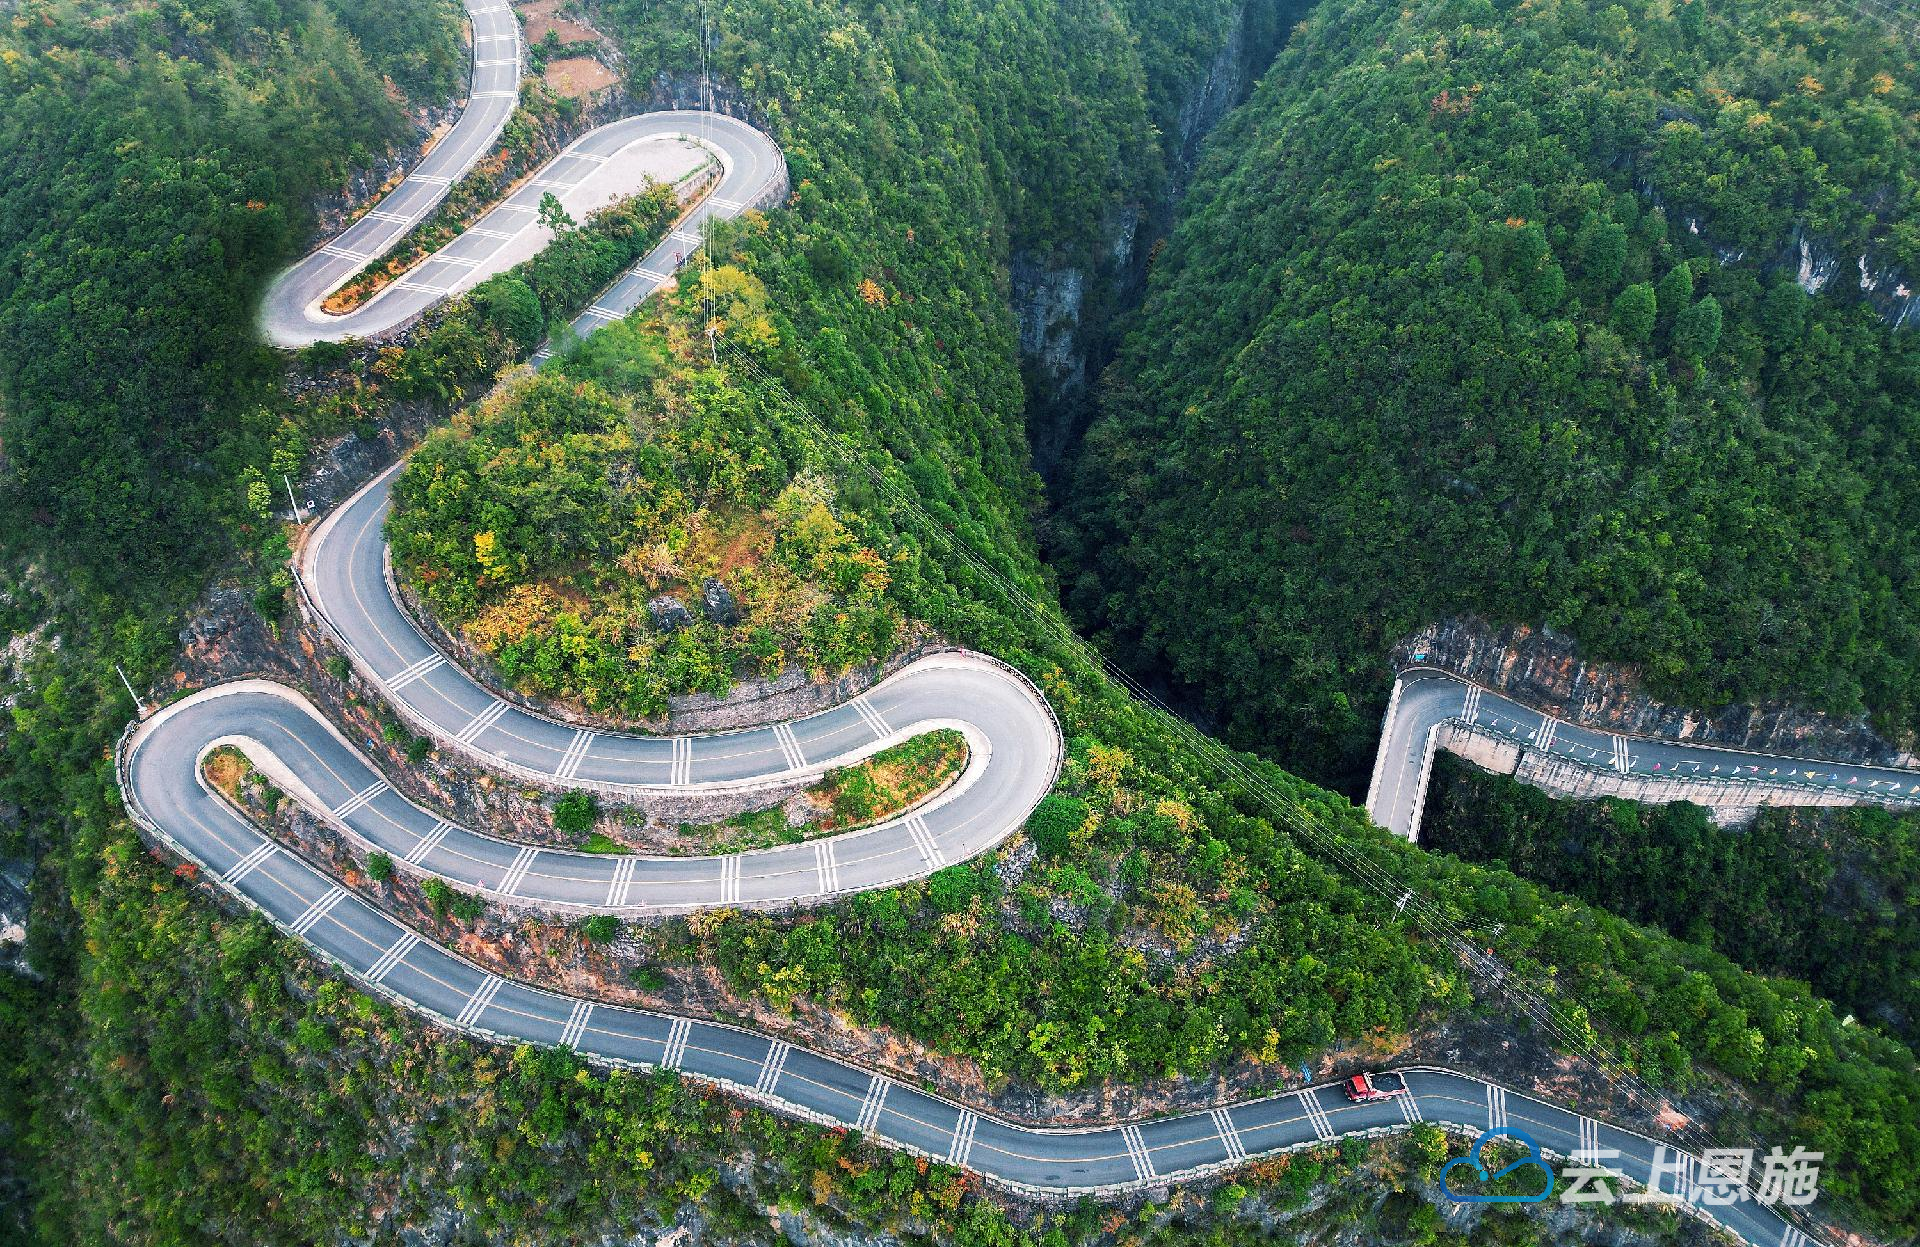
(379, 866)
(1054, 821)
(576, 813)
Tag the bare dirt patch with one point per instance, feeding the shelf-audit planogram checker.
(576, 77)
(544, 17)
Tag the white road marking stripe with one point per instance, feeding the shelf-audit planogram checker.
(516, 873)
(730, 879)
(343, 253)
(770, 1068)
(392, 957)
(730, 205)
(790, 746)
(685, 236)
(425, 666)
(395, 217)
(1137, 1151)
(576, 752)
(500, 234)
(1496, 1107)
(682, 769)
(871, 1106)
(481, 722)
(825, 867)
(1322, 1124)
(652, 276)
(676, 1043)
(484, 64)
(1793, 1238)
(248, 864)
(458, 261)
(408, 283)
(576, 1024)
(431, 179)
(1229, 1135)
(372, 791)
(874, 719)
(963, 1138)
(1410, 1107)
(1547, 729)
(477, 1003)
(428, 842)
(496, 95)
(318, 910)
(622, 882)
(924, 841)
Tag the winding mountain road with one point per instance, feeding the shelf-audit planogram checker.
(1015, 752)
(1426, 700)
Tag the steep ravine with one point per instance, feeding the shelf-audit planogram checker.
(1068, 309)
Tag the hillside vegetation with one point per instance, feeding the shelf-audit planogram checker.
(195, 1078)
(1491, 307)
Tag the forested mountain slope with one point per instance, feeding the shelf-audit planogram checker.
(1489, 307)
(156, 165)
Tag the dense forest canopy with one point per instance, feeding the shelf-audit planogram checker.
(1493, 308)
(196, 1078)
(156, 165)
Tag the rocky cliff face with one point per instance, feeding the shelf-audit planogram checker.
(1065, 311)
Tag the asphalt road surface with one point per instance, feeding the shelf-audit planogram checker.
(752, 170)
(419, 974)
(1425, 699)
(1015, 753)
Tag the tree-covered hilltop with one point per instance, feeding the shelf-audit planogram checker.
(1491, 307)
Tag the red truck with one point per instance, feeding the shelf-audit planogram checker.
(1362, 1088)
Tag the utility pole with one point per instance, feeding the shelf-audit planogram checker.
(138, 705)
(291, 500)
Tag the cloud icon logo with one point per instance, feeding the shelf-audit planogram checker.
(1472, 1161)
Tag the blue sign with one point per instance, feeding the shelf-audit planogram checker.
(1480, 1176)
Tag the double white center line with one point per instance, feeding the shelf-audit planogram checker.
(1322, 1124)
(576, 753)
(1229, 1135)
(680, 771)
(871, 1106)
(477, 1003)
(1137, 1152)
(1588, 1139)
(369, 793)
(480, 723)
(622, 882)
(517, 873)
(790, 746)
(924, 841)
(730, 879)
(824, 866)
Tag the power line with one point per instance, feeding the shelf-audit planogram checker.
(1485, 965)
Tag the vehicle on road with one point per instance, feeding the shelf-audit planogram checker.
(1363, 1088)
